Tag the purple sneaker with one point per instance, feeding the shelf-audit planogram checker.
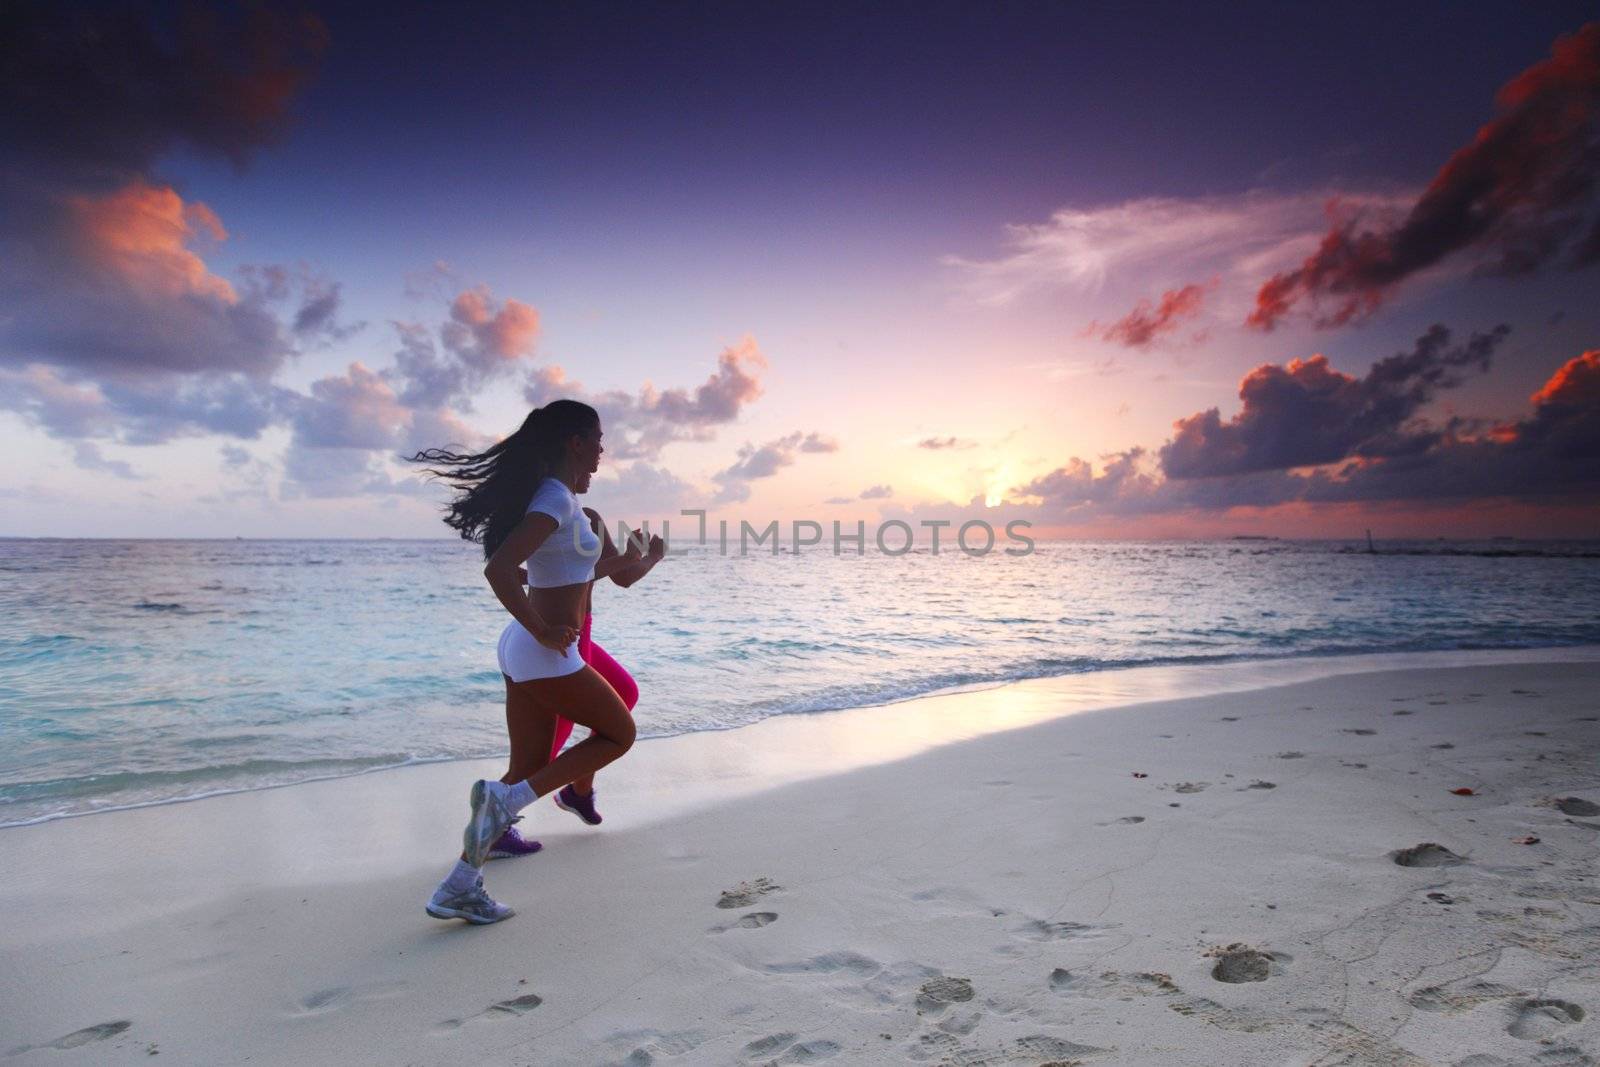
(567, 799)
(512, 844)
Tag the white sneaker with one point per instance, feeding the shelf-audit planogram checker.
(490, 817)
(474, 905)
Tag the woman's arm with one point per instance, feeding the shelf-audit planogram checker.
(611, 561)
(504, 573)
(657, 551)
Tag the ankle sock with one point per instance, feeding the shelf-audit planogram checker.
(462, 877)
(520, 796)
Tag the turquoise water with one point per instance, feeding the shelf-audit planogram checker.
(144, 671)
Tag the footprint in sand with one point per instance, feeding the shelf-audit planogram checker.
(1577, 806)
(1426, 854)
(1190, 787)
(1455, 998)
(326, 1000)
(1537, 1020)
(829, 963)
(747, 893)
(1154, 984)
(505, 1009)
(1043, 1049)
(1258, 784)
(78, 1038)
(1443, 745)
(754, 921)
(1230, 718)
(1402, 711)
(1525, 693)
(1359, 731)
(1126, 820)
(1054, 1050)
(1064, 981)
(765, 1048)
(1291, 755)
(810, 1052)
(515, 1006)
(1534, 733)
(648, 1044)
(1241, 963)
(937, 994)
(1045, 930)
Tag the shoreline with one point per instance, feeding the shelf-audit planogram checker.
(1145, 682)
(1021, 879)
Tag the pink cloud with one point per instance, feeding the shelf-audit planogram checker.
(483, 332)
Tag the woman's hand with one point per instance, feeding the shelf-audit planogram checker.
(631, 552)
(555, 636)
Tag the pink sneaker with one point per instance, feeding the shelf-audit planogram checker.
(512, 844)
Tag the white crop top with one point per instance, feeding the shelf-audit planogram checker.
(567, 556)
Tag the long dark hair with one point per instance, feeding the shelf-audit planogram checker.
(495, 485)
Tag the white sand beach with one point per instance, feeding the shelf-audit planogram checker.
(1205, 874)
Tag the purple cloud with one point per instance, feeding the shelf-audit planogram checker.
(1307, 413)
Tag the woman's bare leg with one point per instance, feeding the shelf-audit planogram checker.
(588, 700)
(532, 729)
(617, 676)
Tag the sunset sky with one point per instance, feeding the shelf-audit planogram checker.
(1121, 270)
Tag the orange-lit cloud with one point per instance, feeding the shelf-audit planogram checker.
(1575, 387)
(1142, 326)
(141, 234)
(103, 281)
(1310, 435)
(1520, 195)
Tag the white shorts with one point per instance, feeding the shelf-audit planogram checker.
(522, 658)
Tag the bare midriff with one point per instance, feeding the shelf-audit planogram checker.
(562, 605)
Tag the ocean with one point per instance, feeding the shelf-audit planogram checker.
(140, 672)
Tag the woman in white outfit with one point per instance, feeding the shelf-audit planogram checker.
(520, 500)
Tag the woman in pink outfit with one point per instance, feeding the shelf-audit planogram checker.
(578, 797)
